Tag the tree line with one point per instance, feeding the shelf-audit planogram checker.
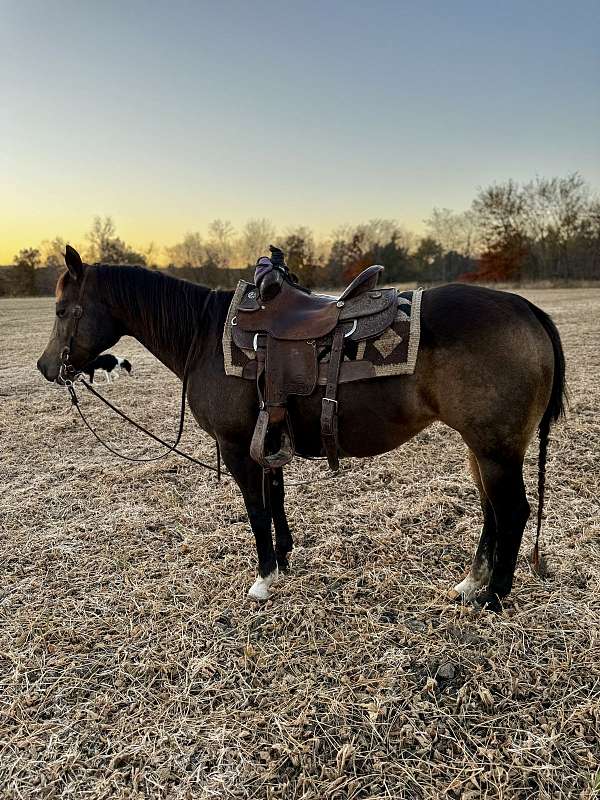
(546, 229)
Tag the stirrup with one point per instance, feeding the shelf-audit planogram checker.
(257, 447)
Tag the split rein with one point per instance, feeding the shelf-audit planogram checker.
(171, 448)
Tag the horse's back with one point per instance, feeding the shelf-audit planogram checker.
(451, 312)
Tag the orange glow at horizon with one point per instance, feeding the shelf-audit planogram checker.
(25, 233)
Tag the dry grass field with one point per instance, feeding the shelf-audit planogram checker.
(133, 666)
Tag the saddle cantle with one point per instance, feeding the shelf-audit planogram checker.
(298, 337)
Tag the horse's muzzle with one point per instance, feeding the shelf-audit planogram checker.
(49, 370)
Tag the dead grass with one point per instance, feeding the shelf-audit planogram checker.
(132, 665)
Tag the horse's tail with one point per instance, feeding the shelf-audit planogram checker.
(554, 411)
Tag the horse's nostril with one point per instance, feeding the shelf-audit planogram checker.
(39, 365)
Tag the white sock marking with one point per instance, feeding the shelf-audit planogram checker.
(471, 584)
(260, 588)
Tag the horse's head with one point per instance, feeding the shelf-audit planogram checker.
(84, 325)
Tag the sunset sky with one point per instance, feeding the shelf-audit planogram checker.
(169, 114)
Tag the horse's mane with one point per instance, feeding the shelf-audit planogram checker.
(166, 306)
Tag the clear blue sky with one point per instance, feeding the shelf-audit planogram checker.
(169, 114)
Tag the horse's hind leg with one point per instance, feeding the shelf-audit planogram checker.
(283, 537)
(503, 484)
(481, 566)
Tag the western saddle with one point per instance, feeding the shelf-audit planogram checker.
(298, 339)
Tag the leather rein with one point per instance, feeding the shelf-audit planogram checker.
(68, 376)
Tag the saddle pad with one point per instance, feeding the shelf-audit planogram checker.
(393, 352)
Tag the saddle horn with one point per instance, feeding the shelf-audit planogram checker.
(270, 273)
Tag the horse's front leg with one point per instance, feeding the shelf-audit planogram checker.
(283, 537)
(249, 477)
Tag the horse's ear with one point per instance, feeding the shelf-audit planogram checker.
(73, 262)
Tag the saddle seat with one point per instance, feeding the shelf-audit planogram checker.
(294, 314)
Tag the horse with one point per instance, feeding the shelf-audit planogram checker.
(490, 366)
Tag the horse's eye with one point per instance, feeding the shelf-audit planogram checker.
(60, 312)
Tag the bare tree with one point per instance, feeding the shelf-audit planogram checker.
(382, 231)
(455, 232)
(500, 212)
(555, 206)
(256, 236)
(99, 237)
(220, 246)
(542, 224)
(191, 252)
(52, 252)
(106, 247)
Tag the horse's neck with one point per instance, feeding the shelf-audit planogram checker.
(163, 315)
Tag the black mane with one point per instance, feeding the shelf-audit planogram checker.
(171, 306)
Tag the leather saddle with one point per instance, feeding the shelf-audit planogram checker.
(298, 337)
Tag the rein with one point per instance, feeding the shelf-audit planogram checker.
(171, 448)
(68, 376)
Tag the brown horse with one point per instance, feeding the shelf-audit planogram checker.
(490, 365)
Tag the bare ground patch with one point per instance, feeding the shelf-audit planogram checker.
(133, 666)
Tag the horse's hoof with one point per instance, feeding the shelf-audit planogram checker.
(488, 601)
(465, 590)
(282, 562)
(259, 590)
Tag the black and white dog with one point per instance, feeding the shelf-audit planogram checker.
(111, 366)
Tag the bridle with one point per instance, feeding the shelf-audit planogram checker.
(68, 376)
(67, 372)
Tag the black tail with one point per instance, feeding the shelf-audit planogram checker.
(554, 411)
